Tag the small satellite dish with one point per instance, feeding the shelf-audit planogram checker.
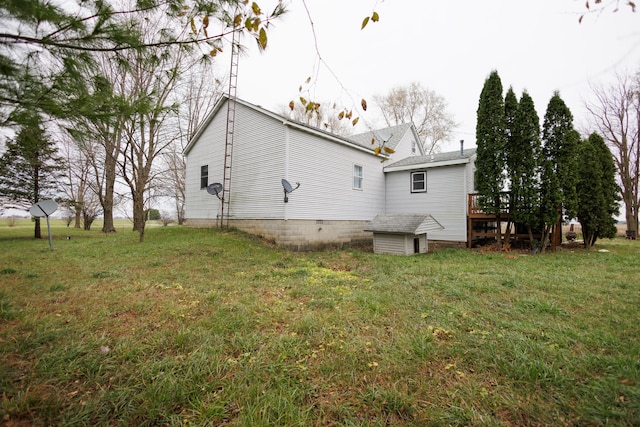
(286, 185)
(215, 189)
(43, 208)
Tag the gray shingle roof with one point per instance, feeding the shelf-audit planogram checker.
(394, 133)
(403, 224)
(434, 159)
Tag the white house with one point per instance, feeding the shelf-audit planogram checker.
(438, 184)
(343, 183)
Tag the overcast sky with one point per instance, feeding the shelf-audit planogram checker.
(448, 46)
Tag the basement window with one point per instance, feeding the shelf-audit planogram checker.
(419, 182)
(204, 176)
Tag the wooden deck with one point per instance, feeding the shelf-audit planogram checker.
(491, 227)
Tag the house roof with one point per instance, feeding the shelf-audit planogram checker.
(390, 136)
(360, 141)
(403, 224)
(433, 160)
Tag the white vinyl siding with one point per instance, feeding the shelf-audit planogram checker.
(398, 244)
(200, 204)
(325, 172)
(265, 151)
(257, 168)
(389, 244)
(446, 199)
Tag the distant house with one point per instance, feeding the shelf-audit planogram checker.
(343, 183)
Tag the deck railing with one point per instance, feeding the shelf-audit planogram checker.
(475, 208)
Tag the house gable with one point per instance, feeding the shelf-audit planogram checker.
(403, 139)
(268, 148)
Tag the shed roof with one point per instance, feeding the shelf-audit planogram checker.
(403, 224)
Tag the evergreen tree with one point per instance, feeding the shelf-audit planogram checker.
(597, 191)
(510, 113)
(46, 48)
(610, 187)
(491, 142)
(559, 160)
(30, 167)
(523, 157)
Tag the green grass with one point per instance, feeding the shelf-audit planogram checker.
(207, 327)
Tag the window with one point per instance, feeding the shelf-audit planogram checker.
(414, 147)
(419, 182)
(204, 176)
(357, 177)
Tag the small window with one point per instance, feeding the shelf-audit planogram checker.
(357, 177)
(414, 147)
(419, 182)
(204, 176)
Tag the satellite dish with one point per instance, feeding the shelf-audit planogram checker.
(215, 189)
(286, 185)
(43, 208)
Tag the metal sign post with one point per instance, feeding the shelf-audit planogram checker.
(44, 208)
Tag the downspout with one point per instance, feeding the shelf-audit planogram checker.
(465, 199)
(286, 164)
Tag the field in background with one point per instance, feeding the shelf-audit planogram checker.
(210, 327)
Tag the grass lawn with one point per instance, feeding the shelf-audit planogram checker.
(208, 327)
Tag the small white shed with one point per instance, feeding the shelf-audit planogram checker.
(402, 234)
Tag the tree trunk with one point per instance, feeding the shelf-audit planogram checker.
(547, 231)
(180, 212)
(37, 234)
(78, 215)
(78, 205)
(107, 199)
(507, 234)
(139, 216)
(631, 216)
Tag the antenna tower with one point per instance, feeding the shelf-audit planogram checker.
(231, 121)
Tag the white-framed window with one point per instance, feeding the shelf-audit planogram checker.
(204, 176)
(414, 147)
(357, 177)
(419, 182)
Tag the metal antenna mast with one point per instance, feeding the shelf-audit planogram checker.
(231, 121)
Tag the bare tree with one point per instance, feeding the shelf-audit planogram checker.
(77, 176)
(615, 112)
(100, 136)
(198, 94)
(426, 109)
(326, 116)
(151, 80)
